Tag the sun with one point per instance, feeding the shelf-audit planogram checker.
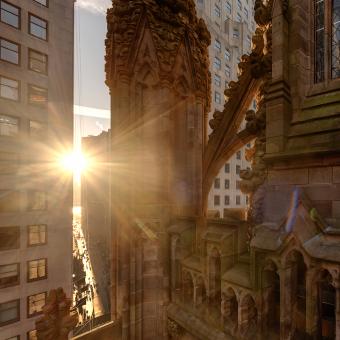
(74, 162)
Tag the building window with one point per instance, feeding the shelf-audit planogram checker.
(9, 201)
(238, 169)
(35, 303)
(32, 335)
(227, 71)
(217, 97)
(9, 163)
(36, 270)
(236, 33)
(239, 5)
(42, 2)
(226, 184)
(9, 238)
(217, 80)
(9, 88)
(238, 200)
(217, 45)
(335, 39)
(10, 14)
(37, 200)
(226, 200)
(37, 130)
(37, 235)
(217, 11)
(226, 84)
(38, 27)
(9, 126)
(325, 42)
(248, 41)
(228, 7)
(37, 95)
(9, 312)
(217, 63)
(200, 2)
(246, 13)
(9, 51)
(238, 185)
(216, 200)
(37, 61)
(238, 17)
(227, 168)
(238, 154)
(217, 183)
(227, 54)
(9, 275)
(319, 41)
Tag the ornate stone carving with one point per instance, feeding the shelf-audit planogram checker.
(58, 320)
(171, 22)
(174, 329)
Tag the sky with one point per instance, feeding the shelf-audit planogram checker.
(90, 30)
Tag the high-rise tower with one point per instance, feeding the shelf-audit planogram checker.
(36, 127)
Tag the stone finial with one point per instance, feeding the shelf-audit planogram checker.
(58, 319)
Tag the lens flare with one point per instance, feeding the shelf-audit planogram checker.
(74, 162)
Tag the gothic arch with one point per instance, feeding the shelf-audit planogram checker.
(296, 290)
(147, 75)
(271, 290)
(324, 303)
(248, 316)
(229, 310)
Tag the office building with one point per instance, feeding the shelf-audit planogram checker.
(231, 25)
(36, 130)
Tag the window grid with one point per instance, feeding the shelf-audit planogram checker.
(9, 238)
(37, 235)
(217, 98)
(37, 61)
(319, 71)
(9, 312)
(9, 88)
(10, 14)
(217, 63)
(38, 27)
(9, 275)
(9, 126)
(37, 95)
(10, 51)
(42, 2)
(36, 270)
(335, 58)
(226, 200)
(35, 304)
(216, 200)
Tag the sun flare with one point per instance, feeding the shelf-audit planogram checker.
(74, 162)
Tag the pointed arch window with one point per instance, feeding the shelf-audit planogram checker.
(335, 58)
(327, 40)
